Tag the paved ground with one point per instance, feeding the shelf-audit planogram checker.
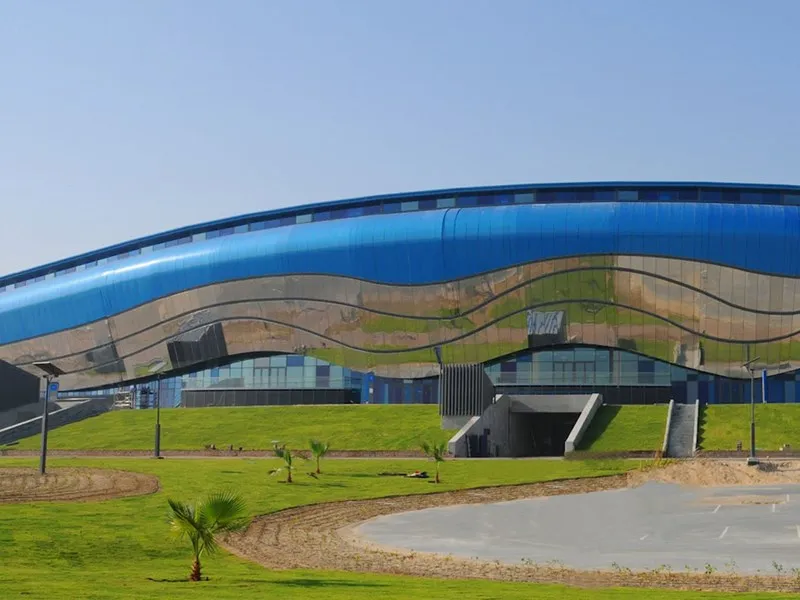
(742, 529)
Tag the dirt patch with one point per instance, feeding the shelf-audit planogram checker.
(705, 472)
(72, 485)
(322, 537)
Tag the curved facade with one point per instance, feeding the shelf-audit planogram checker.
(660, 288)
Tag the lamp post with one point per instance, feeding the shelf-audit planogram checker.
(752, 460)
(156, 369)
(51, 372)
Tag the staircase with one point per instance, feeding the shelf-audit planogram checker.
(680, 440)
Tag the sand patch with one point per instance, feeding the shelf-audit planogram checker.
(712, 473)
(72, 485)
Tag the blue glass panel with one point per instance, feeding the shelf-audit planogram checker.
(391, 207)
(409, 206)
(605, 196)
(427, 204)
(628, 195)
(688, 194)
(565, 196)
(711, 196)
(240, 229)
(466, 201)
(293, 360)
(445, 203)
(503, 199)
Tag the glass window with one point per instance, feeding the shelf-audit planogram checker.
(791, 199)
(528, 198)
(210, 235)
(565, 196)
(372, 209)
(198, 237)
(688, 195)
(604, 196)
(409, 206)
(278, 361)
(160, 246)
(711, 196)
(466, 201)
(427, 204)
(294, 360)
(306, 218)
(628, 195)
(356, 211)
(20, 284)
(391, 207)
(445, 203)
(241, 229)
(226, 231)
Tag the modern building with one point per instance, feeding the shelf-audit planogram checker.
(640, 291)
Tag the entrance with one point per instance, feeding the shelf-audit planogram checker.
(541, 433)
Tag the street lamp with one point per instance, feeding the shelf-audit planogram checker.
(50, 372)
(752, 460)
(155, 369)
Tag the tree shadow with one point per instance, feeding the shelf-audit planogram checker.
(304, 582)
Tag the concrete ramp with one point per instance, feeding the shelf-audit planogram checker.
(70, 412)
(526, 425)
(681, 430)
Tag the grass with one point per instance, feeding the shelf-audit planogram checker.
(723, 425)
(348, 427)
(121, 550)
(626, 429)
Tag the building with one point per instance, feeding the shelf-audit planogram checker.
(641, 291)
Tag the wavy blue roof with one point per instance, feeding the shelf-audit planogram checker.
(700, 191)
(417, 248)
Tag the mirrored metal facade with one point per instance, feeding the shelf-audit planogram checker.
(676, 285)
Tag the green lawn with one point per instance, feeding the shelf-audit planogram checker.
(121, 549)
(722, 425)
(347, 427)
(626, 429)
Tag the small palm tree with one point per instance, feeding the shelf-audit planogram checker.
(286, 456)
(202, 521)
(318, 450)
(436, 451)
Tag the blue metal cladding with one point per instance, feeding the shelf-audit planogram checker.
(417, 248)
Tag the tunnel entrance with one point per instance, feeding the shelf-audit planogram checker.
(540, 433)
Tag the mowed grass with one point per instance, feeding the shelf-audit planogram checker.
(346, 427)
(121, 549)
(626, 429)
(723, 425)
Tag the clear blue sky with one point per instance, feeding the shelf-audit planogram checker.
(124, 118)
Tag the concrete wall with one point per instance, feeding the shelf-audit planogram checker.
(71, 414)
(496, 419)
(17, 387)
(587, 414)
(557, 403)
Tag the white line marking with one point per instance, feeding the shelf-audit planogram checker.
(724, 531)
(716, 509)
(787, 497)
(644, 537)
(773, 508)
(798, 531)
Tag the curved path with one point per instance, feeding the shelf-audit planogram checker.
(72, 485)
(323, 536)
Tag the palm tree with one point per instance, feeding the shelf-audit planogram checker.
(286, 456)
(436, 451)
(202, 521)
(318, 450)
